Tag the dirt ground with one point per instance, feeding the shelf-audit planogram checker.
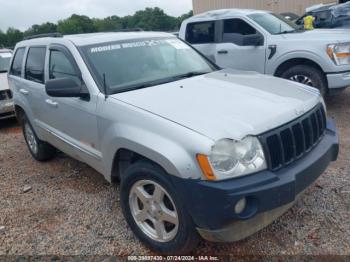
(72, 210)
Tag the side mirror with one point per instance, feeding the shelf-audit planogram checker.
(66, 87)
(253, 40)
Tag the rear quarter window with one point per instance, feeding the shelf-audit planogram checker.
(35, 64)
(16, 68)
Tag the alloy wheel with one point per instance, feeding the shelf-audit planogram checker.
(31, 139)
(302, 79)
(153, 210)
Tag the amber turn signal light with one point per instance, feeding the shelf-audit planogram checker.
(205, 166)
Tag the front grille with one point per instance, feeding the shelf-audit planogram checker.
(292, 141)
(5, 94)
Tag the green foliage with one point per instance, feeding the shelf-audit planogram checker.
(150, 19)
(13, 36)
(111, 23)
(44, 28)
(76, 24)
(180, 19)
(3, 39)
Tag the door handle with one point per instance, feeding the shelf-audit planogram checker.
(222, 52)
(23, 91)
(51, 103)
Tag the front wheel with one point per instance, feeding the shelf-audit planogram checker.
(154, 211)
(307, 75)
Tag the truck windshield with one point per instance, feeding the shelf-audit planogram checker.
(135, 64)
(273, 23)
(5, 58)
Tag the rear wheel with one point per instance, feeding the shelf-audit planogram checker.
(154, 211)
(307, 75)
(40, 150)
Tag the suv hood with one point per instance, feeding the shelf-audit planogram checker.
(3, 81)
(328, 35)
(227, 103)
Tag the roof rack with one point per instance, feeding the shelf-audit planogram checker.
(43, 35)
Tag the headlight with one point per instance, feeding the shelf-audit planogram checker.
(339, 53)
(230, 158)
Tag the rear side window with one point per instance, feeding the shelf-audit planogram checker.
(201, 33)
(35, 64)
(16, 68)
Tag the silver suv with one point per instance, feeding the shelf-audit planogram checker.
(197, 150)
(6, 103)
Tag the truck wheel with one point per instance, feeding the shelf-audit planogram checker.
(307, 75)
(40, 150)
(154, 211)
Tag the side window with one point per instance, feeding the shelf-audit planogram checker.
(16, 68)
(236, 29)
(61, 67)
(35, 64)
(200, 33)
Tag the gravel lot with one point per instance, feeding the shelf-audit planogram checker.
(70, 209)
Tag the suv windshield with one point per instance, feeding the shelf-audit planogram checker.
(134, 64)
(5, 58)
(273, 23)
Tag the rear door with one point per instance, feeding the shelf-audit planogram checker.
(15, 77)
(203, 37)
(33, 86)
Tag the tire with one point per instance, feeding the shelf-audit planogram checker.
(308, 75)
(176, 239)
(40, 150)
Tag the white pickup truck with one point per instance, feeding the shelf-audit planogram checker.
(267, 43)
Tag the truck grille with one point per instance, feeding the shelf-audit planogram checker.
(292, 141)
(5, 94)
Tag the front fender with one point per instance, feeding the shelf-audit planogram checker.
(169, 154)
(316, 58)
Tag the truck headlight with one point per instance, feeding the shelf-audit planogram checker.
(339, 53)
(230, 158)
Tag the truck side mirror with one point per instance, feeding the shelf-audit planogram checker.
(253, 40)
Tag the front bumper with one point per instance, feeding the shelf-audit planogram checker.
(269, 194)
(338, 80)
(6, 109)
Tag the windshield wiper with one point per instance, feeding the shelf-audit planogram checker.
(159, 82)
(191, 74)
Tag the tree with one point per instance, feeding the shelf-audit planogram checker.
(13, 36)
(44, 28)
(180, 19)
(76, 24)
(111, 23)
(3, 39)
(152, 19)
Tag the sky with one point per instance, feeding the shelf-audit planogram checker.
(22, 14)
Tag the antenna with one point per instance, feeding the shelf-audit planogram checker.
(105, 89)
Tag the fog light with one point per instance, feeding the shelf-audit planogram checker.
(240, 205)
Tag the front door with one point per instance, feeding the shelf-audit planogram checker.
(71, 121)
(235, 52)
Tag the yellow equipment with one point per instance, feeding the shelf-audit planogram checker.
(309, 22)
